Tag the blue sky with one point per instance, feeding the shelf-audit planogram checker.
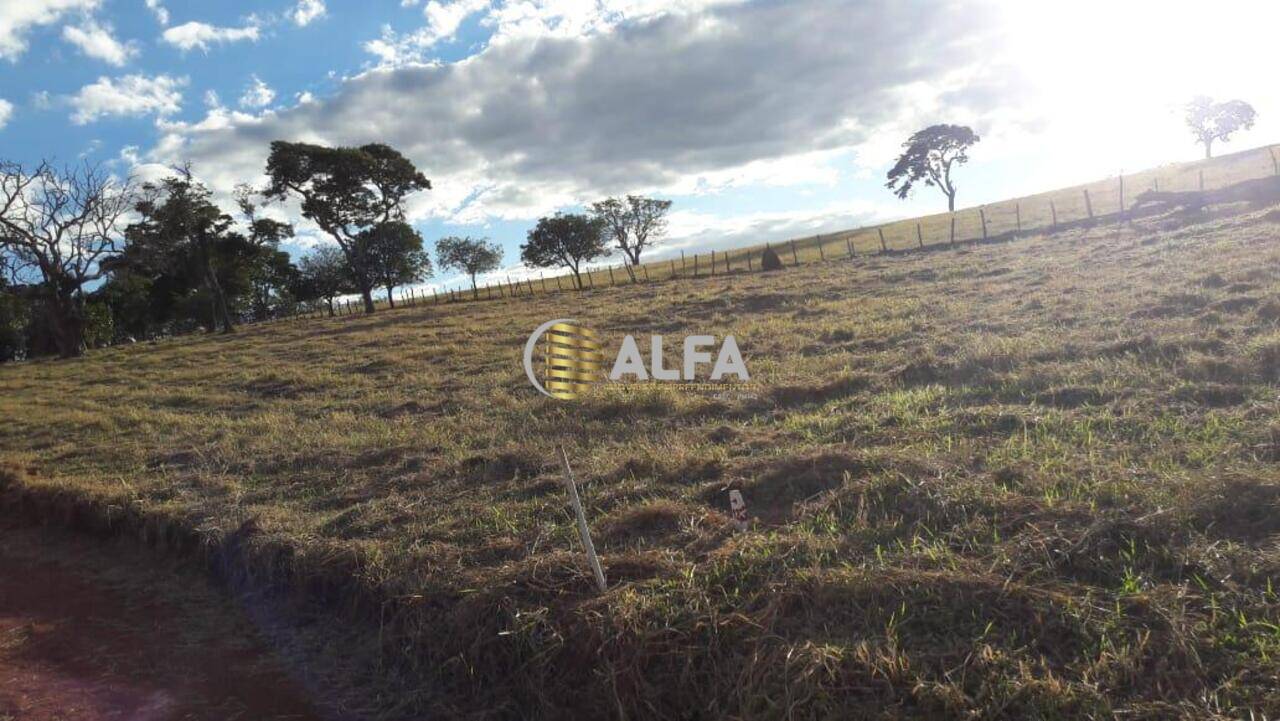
(761, 120)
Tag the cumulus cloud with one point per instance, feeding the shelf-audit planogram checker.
(306, 11)
(128, 95)
(736, 93)
(199, 36)
(159, 10)
(98, 41)
(18, 17)
(6, 112)
(257, 95)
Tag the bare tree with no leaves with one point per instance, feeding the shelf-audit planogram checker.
(635, 223)
(59, 226)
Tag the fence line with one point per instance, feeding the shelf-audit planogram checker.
(818, 247)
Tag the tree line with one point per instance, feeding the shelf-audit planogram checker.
(88, 259)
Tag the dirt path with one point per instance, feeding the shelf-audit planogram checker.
(92, 633)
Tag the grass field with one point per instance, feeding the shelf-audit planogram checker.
(1034, 479)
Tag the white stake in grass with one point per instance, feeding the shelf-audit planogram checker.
(582, 522)
(738, 508)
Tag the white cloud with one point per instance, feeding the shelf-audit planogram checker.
(198, 35)
(257, 95)
(443, 20)
(97, 41)
(17, 17)
(760, 94)
(161, 13)
(6, 112)
(306, 11)
(142, 170)
(128, 95)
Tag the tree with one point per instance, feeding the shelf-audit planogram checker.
(15, 315)
(345, 191)
(325, 275)
(270, 271)
(469, 255)
(635, 223)
(1210, 121)
(565, 240)
(57, 227)
(181, 229)
(929, 156)
(394, 255)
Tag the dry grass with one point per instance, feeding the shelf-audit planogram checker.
(1024, 480)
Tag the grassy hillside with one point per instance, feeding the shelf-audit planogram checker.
(1034, 479)
(1041, 212)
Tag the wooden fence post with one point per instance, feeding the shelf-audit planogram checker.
(713, 264)
(1088, 204)
(673, 266)
(645, 268)
(1275, 162)
(583, 531)
(529, 282)
(919, 236)
(1122, 194)
(848, 245)
(884, 247)
(822, 254)
(795, 260)
(728, 263)
(611, 281)
(1017, 209)
(953, 229)
(543, 279)
(1053, 211)
(558, 286)
(982, 213)
(750, 265)
(695, 265)
(1155, 184)
(682, 261)
(591, 281)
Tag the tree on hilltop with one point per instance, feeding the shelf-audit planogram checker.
(324, 275)
(468, 255)
(929, 157)
(345, 191)
(394, 255)
(1210, 121)
(565, 240)
(635, 222)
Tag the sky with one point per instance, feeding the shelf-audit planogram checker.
(761, 120)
